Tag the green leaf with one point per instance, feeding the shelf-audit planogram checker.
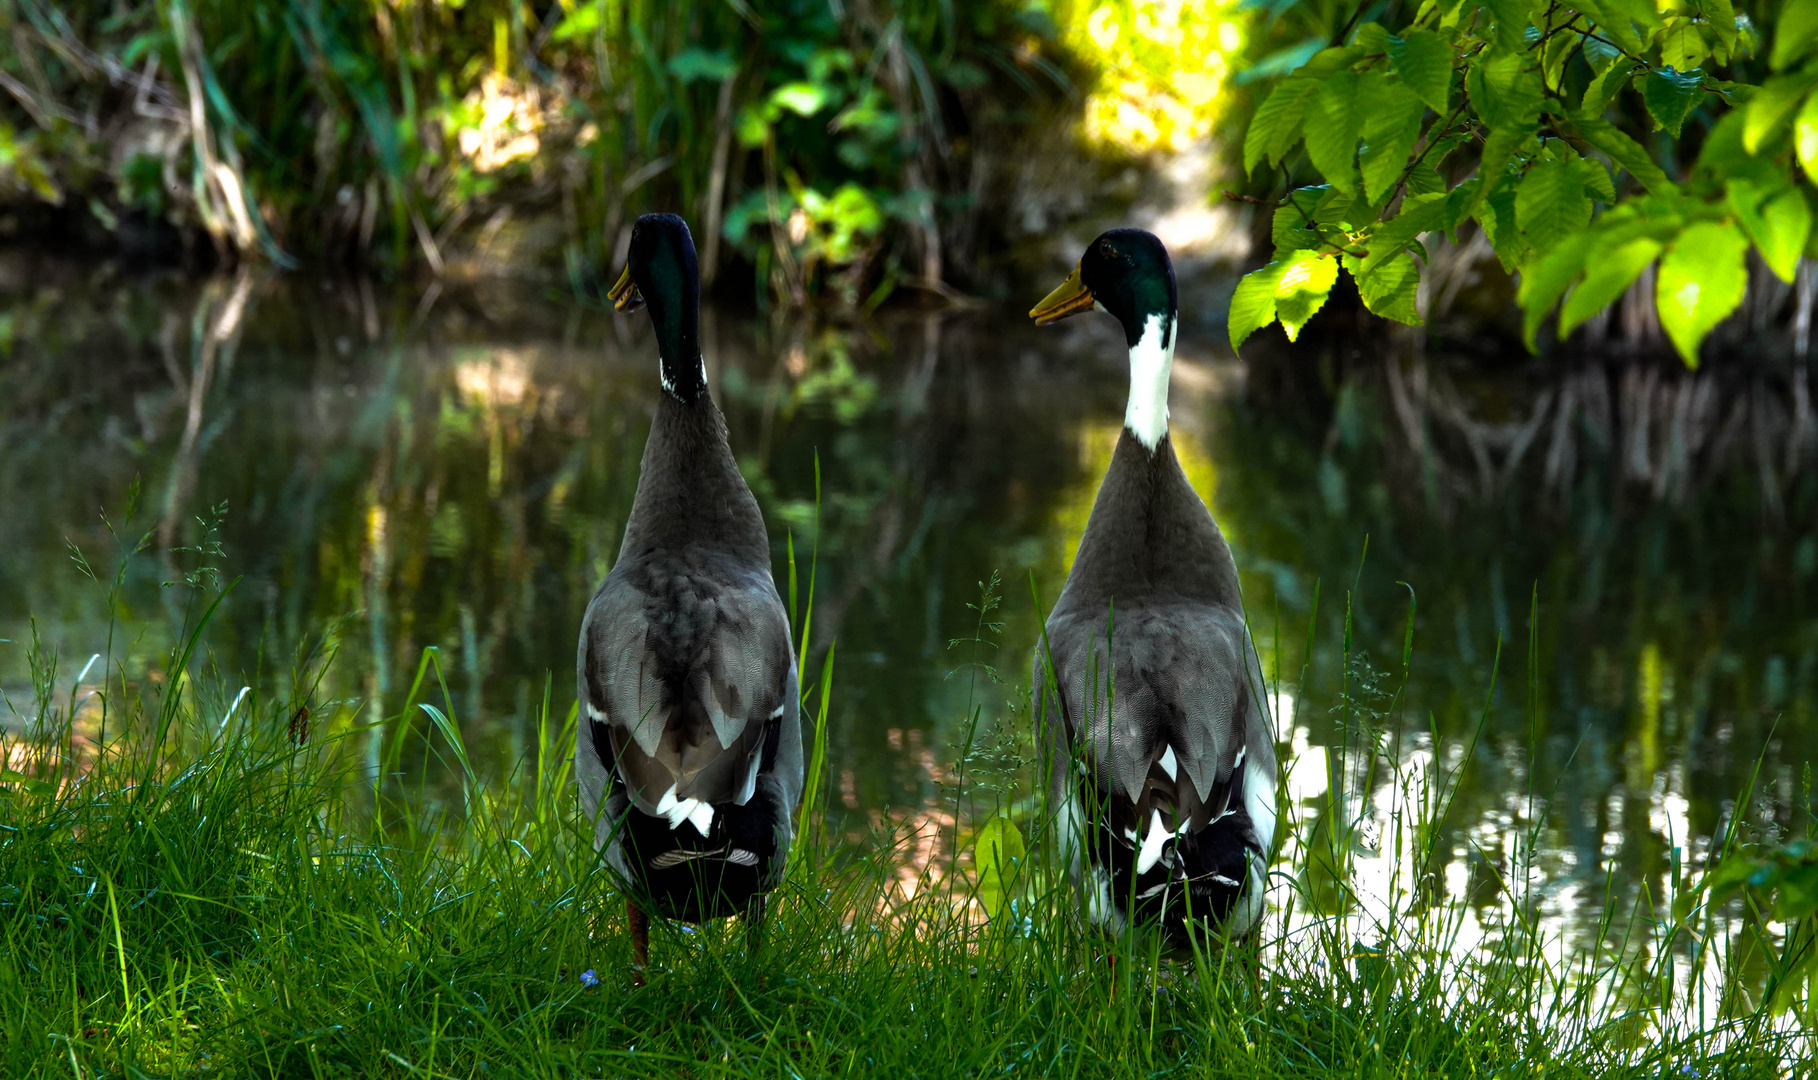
(1293, 226)
(1332, 130)
(1556, 52)
(1333, 60)
(1342, 212)
(752, 125)
(1604, 88)
(1625, 152)
(998, 852)
(1503, 90)
(1778, 221)
(1793, 34)
(801, 98)
(1424, 62)
(1682, 45)
(1544, 281)
(1391, 289)
(1721, 152)
(1805, 136)
(1643, 13)
(1371, 37)
(1798, 894)
(1496, 215)
(1460, 201)
(1498, 150)
(1770, 108)
(1671, 96)
(1253, 302)
(1277, 122)
(1656, 217)
(1720, 18)
(1511, 23)
(1550, 203)
(1701, 281)
(1392, 115)
(1596, 179)
(1419, 214)
(1284, 61)
(1615, 25)
(1424, 179)
(1606, 277)
(1302, 289)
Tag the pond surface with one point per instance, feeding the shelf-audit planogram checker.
(387, 469)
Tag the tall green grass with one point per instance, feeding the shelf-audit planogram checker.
(218, 889)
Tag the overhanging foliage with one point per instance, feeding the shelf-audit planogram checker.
(1558, 129)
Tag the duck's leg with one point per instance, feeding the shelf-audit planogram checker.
(756, 911)
(639, 924)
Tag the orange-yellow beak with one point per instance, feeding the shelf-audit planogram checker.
(625, 295)
(1070, 299)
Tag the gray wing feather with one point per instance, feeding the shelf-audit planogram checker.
(1180, 677)
(687, 699)
(619, 678)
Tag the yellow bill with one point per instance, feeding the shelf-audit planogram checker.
(624, 295)
(1070, 299)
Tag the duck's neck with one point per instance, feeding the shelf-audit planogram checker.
(677, 321)
(690, 491)
(685, 380)
(1151, 363)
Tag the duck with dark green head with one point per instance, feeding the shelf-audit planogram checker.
(1154, 713)
(689, 755)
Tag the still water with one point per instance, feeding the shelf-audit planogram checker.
(390, 469)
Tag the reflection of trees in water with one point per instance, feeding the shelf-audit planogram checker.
(458, 477)
(1663, 520)
(1661, 431)
(362, 476)
(943, 478)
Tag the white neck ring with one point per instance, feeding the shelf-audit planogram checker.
(1151, 364)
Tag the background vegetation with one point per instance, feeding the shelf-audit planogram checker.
(833, 149)
(1644, 171)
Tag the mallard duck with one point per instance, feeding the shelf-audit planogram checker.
(1155, 719)
(689, 755)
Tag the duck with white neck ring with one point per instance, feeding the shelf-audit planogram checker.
(689, 754)
(1154, 712)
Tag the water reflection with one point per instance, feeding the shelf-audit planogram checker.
(392, 470)
(1658, 524)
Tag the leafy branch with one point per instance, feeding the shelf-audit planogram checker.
(1570, 201)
